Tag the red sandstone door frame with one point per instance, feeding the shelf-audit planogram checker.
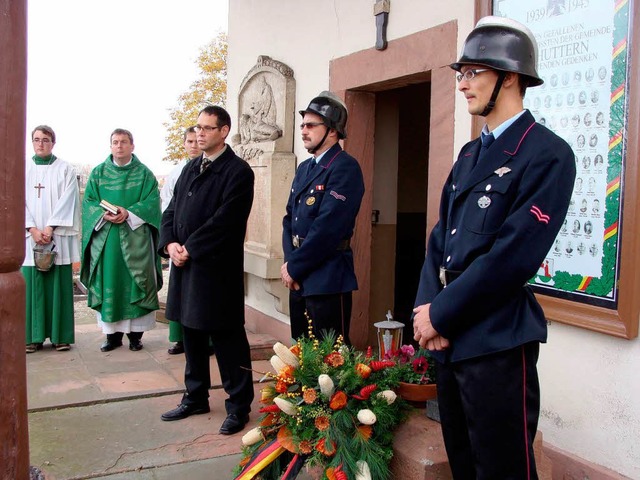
(356, 78)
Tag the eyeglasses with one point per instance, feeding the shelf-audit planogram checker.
(310, 125)
(470, 74)
(206, 128)
(41, 140)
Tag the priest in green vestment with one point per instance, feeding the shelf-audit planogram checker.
(121, 218)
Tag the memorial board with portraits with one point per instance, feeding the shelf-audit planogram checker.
(583, 59)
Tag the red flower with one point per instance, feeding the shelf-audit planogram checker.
(420, 365)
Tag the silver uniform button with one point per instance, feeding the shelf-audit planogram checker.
(448, 258)
(454, 188)
(453, 232)
(488, 187)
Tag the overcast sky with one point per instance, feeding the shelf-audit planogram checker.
(99, 65)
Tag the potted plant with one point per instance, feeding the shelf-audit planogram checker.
(417, 375)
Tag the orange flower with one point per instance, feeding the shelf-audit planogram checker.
(286, 440)
(334, 359)
(295, 349)
(281, 387)
(305, 447)
(365, 431)
(322, 423)
(286, 373)
(269, 420)
(363, 370)
(309, 396)
(326, 448)
(338, 401)
(330, 473)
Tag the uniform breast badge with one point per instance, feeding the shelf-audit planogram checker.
(501, 171)
(484, 201)
(310, 201)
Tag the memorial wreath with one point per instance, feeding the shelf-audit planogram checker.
(328, 406)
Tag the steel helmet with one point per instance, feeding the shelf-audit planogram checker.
(502, 44)
(332, 110)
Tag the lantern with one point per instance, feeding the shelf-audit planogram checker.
(389, 335)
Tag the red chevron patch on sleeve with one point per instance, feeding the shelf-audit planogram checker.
(541, 217)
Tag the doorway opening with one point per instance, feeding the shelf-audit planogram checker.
(399, 217)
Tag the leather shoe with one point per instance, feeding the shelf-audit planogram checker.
(184, 411)
(233, 424)
(176, 349)
(109, 345)
(135, 345)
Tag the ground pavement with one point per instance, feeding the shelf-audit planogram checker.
(95, 415)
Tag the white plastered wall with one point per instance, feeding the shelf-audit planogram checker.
(590, 382)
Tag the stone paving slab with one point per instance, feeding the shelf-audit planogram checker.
(126, 437)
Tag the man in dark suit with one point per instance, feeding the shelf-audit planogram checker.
(203, 231)
(501, 209)
(321, 212)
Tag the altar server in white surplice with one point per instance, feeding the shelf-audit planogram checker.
(52, 222)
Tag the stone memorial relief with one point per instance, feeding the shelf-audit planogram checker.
(266, 114)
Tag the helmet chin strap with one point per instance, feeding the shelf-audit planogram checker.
(320, 143)
(494, 95)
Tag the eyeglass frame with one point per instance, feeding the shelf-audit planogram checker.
(310, 125)
(473, 71)
(205, 128)
(41, 140)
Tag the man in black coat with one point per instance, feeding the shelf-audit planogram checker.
(203, 231)
(501, 209)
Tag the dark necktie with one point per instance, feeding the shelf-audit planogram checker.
(486, 140)
(205, 163)
(312, 165)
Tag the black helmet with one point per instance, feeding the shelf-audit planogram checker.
(332, 110)
(502, 44)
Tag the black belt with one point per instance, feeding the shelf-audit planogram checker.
(343, 245)
(448, 276)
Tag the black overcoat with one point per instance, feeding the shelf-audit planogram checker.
(208, 215)
(497, 222)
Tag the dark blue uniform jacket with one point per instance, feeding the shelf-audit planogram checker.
(496, 228)
(321, 210)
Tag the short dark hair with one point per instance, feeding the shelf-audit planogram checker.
(191, 129)
(121, 131)
(221, 114)
(47, 130)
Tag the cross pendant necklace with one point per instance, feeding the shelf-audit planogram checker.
(39, 187)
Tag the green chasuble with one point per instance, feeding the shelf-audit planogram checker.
(120, 267)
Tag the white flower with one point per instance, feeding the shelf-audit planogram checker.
(286, 355)
(326, 385)
(277, 364)
(286, 406)
(366, 417)
(389, 395)
(363, 472)
(252, 436)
